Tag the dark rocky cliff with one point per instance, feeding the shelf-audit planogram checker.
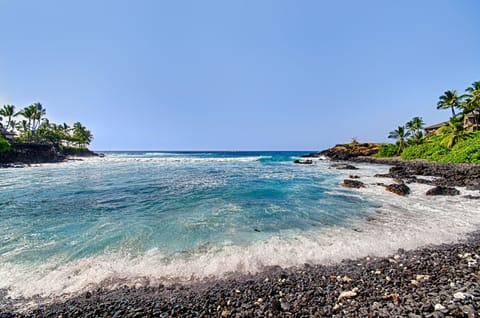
(31, 153)
(39, 153)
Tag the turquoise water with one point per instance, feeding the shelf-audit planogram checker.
(165, 216)
(176, 202)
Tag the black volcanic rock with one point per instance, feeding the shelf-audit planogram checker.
(440, 190)
(347, 151)
(400, 189)
(303, 162)
(31, 154)
(343, 166)
(355, 184)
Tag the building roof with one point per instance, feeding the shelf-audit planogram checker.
(436, 126)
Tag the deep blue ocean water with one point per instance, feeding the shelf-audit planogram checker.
(148, 216)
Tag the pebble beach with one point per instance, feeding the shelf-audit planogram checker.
(435, 281)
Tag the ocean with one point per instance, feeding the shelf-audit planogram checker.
(140, 218)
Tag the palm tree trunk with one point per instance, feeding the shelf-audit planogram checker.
(453, 112)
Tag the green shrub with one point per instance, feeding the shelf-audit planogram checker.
(387, 150)
(4, 145)
(433, 150)
(465, 151)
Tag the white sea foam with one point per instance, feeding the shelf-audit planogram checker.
(179, 159)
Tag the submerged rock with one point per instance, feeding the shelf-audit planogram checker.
(355, 184)
(400, 189)
(440, 190)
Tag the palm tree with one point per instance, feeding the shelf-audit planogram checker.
(449, 99)
(39, 112)
(81, 134)
(453, 132)
(29, 113)
(22, 127)
(415, 124)
(472, 103)
(9, 112)
(417, 138)
(401, 134)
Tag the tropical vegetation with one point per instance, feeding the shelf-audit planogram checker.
(30, 125)
(457, 140)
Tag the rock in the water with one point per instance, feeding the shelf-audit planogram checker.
(303, 162)
(400, 189)
(472, 197)
(343, 166)
(355, 184)
(440, 190)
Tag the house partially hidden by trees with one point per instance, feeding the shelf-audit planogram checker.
(470, 124)
(456, 140)
(31, 126)
(433, 128)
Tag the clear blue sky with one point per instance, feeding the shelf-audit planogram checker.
(237, 75)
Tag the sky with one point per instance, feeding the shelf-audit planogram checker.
(237, 75)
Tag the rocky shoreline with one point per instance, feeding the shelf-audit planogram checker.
(22, 155)
(408, 171)
(435, 281)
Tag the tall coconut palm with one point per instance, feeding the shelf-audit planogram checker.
(29, 113)
(449, 99)
(453, 132)
(39, 112)
(415, 124)
(401, 134)
(9, 112)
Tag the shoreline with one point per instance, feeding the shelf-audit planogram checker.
(319, 282)
(24, 155)
(431, 281)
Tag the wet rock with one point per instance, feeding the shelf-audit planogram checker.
(441, 190)
(471, 197)
(355, 184)
(343, 166)
(400, 189)
(303, 162)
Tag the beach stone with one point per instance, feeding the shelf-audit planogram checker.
(355, 184)
(441, 190)
(400, 189)
(347, 294)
